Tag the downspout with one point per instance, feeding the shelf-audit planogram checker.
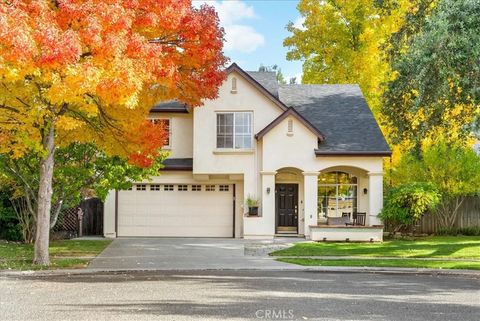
(234, 205)
(116, 213)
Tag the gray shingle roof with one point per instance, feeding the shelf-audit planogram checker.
(178, 163)
(340, 112)
(268, 79)
(170, 106)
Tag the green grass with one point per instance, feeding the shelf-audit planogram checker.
(63, 254)
(432, 264)
(426, 247)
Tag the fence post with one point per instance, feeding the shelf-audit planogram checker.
(80, 221)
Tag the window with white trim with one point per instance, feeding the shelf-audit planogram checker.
(210, 188)
(234, 130)
(183, 188)
(337, 194)
(168, 187)
(155, 187)
(166, 124)
(196, 188)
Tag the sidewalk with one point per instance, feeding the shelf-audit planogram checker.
(330, 257)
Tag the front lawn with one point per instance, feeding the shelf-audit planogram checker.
(407, 263)
(426, 247)
(63, 254)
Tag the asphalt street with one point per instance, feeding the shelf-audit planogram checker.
(239, 295)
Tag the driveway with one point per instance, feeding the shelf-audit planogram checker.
(184, 254)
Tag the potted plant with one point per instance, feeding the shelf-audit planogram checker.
(252, 204)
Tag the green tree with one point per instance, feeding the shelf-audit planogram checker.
(277, 70)
(80, 170)
(452, 168)
(436, 89)
(407, 203)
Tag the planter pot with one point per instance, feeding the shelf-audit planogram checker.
(253, 211)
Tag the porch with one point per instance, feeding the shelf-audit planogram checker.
(311, 204)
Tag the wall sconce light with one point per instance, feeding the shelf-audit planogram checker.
(365, 191)
(268, 190)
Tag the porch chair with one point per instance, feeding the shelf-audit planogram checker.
(358, 219)
(346, 214)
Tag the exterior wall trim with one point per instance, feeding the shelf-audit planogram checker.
(290, 111)
(353, 153)
(311, 173)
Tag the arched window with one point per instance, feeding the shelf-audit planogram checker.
(337, 194)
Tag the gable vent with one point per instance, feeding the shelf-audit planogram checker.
(234, 85)
(290, 127)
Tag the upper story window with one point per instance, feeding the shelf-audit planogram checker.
(234, 130)
(168, 128)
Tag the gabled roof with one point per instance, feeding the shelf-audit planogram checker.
(343, 116)
(266, 82)
(170, 106)
(337, 114)
(256, 84)
(290, 112)
(268, 79)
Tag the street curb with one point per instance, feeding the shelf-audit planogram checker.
(318, 269)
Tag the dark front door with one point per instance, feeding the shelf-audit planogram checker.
(286, 207)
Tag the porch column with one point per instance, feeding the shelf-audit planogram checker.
(268, 201)
(262, 226)
(375, 197)
(310, 190)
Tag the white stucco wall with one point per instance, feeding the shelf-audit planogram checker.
(207, 159)
(194, 135)
(181, 139)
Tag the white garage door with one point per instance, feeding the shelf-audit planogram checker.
(176, 210)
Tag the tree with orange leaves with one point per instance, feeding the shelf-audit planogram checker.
(77, 71)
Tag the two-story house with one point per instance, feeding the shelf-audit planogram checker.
(306, 152)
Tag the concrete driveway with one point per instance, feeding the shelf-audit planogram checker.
(184, 254)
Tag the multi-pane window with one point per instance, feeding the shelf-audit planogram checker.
(196, 188)
(141, 187)
(155, 187)
(234, 130)
(210, 188)
(223, 188)
(337, 194)
(183, 187)
(166, 125)
(168, 187)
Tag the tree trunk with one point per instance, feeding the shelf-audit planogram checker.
(45, 200)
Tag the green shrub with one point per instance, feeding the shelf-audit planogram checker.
(467, 231)
(10, 228)
(407, 203)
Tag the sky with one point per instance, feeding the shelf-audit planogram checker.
(255, 30)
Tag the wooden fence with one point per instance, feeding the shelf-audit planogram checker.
(92, 219)
(469, 216)
(92, 223)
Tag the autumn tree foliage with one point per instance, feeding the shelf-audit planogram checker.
(342, 41)
(76, 71)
